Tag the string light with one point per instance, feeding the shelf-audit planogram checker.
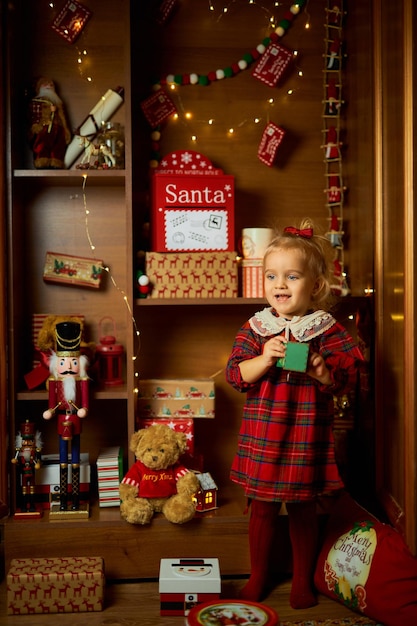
(106, 269)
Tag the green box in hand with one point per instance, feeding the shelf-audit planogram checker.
(295, 358)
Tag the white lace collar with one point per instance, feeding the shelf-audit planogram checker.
(304, 328)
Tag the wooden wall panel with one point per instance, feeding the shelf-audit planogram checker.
(395, 369)
(3, 299)
(197, 40)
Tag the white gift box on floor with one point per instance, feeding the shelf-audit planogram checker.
(184, 583)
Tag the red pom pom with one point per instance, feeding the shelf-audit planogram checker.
(255, 54)
(274, 37)
(185, 79)
(289, 16)
(212, 76)
(235, 68)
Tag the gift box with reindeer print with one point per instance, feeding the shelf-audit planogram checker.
(55, 585)
(192, 274)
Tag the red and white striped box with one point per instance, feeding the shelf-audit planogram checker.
(252, 278)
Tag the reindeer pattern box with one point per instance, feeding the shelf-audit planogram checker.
(55, 585)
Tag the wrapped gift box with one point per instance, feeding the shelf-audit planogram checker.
(192, 205)
(186, 399)
(184, 583)
(252, 278)
(47, 479)
(192, 274)
(185, 426)
(55, 585)
(109, 475)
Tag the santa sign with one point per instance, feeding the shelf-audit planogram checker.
(192, 205)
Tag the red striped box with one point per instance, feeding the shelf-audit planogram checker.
(252, 278)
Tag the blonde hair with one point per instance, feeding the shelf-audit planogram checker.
(317, 251)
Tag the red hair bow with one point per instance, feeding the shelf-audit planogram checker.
(307, 233)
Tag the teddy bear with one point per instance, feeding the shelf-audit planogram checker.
(158, 482)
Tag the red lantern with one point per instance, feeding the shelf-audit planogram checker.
(110, 356)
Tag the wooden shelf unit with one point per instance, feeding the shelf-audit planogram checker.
(86, 213)
(177, 338)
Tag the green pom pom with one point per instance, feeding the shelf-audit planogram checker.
(203, 80)
(285, 24)
(248, 57)
(228, 72)
(266, 41)
(178, 79)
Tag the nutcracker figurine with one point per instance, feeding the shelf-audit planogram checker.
(69, 400)
(28, 445)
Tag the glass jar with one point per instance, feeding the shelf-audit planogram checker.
(111, 141)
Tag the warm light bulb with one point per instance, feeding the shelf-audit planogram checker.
(188, 116)
(193, 137)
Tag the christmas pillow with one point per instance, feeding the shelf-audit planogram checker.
(367, 566)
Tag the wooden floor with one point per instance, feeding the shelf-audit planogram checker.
(137, 604)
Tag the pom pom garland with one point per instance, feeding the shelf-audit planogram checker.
(243, 63)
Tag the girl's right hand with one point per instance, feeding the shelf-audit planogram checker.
(274, 349)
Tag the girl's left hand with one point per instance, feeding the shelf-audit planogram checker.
(317, 369)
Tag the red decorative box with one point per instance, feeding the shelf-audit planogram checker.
(252, 278)
(55, 585)
(185, 426)
(192, 205)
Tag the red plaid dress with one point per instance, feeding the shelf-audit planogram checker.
(286, 445)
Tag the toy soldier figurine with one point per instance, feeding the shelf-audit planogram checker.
(68, 399)
(28, 456)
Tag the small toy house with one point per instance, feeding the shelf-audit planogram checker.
(206, 497)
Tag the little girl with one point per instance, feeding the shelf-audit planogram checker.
(286, 446)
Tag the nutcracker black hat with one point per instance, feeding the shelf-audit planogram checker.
(68, 338)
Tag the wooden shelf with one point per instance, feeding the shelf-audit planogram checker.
(74, 177)
(198, 301)
(134, 551)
